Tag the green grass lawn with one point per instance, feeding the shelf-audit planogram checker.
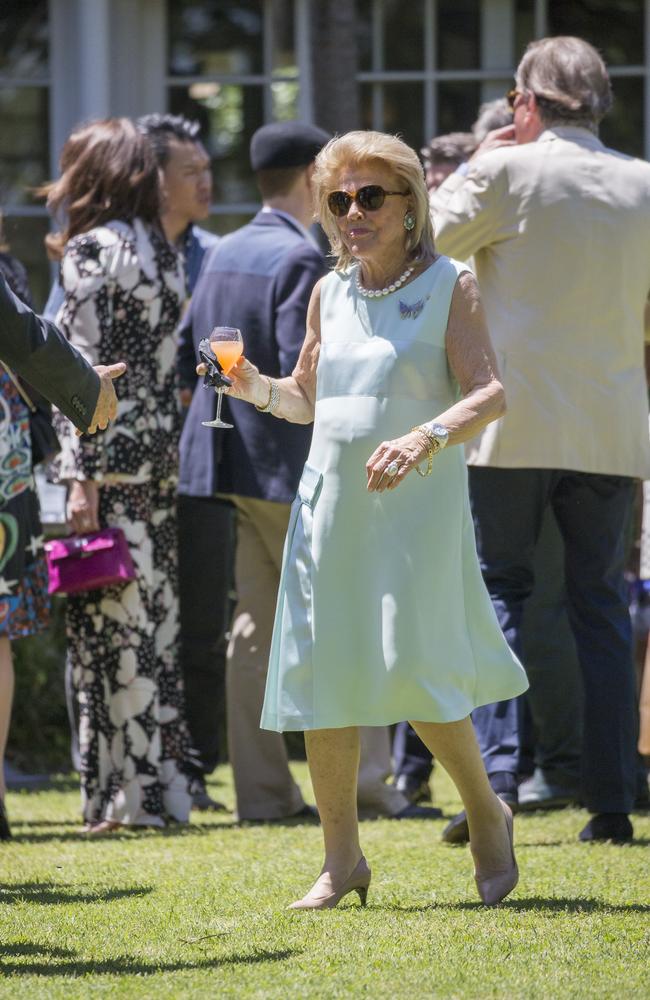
(201, 911)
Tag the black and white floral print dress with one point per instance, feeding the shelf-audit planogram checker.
(124, 289)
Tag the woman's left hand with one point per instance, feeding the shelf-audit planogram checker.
(402, 454)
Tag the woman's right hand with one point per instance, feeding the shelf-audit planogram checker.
(247, 383)
(83, 506)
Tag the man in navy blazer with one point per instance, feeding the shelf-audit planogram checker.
(258, 279)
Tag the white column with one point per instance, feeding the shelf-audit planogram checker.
(497, 43)
(94, 58)
(302, 44)
(79, 67)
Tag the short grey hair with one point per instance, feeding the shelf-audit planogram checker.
(491, 115)
(569, 80)
(453, 147)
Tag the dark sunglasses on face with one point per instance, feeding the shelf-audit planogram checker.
(370, 198)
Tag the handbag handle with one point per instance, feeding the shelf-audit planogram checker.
(24, 395)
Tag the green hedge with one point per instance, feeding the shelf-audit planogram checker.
(39, 738)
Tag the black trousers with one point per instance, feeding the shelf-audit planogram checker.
(592, 513)
(206, 543)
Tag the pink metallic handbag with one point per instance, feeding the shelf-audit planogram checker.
(88, 562)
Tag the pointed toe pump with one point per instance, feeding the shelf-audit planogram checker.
(358, 882)
(494, 886)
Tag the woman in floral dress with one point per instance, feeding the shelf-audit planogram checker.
(24, 601)
(124, 290)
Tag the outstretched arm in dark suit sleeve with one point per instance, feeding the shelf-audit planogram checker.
(293, 287)
(38, 352)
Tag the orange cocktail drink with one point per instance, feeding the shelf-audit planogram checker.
(227, 352)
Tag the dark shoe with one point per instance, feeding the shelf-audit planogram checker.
(202, 800)
(417, 812)
(308, 814)
(5, 829)
(457, 830)
(413, 789)
(538, 793)
(614, 827)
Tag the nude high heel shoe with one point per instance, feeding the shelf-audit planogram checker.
(358, 882)
(494, 886)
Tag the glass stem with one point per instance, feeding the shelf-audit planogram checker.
(219, 393)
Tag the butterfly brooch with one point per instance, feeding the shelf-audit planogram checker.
(411, 310)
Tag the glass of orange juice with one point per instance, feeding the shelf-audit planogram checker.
(227, 344)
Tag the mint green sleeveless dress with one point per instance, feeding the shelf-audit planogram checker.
(382, 612)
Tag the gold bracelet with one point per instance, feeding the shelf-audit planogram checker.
(274, 397)
(426, 435)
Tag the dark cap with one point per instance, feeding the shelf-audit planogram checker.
(286, 144)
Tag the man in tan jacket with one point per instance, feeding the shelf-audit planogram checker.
(559, 227)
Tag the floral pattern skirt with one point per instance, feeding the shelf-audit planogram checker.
(24, 600)
(123, 646)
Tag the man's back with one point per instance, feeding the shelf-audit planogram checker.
(560, 229)
(258, 279)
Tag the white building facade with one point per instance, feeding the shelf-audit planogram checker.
(424, 68)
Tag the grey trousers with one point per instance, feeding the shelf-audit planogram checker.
(264, 786)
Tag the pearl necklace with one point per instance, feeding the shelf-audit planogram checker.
(372, 293)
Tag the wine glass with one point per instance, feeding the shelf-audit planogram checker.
(227, 344)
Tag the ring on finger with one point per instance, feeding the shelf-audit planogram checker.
(392, 469)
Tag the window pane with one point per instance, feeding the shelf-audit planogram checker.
(616, 29)
(524, 26)
(458, 105)
(229, 114)
(25, 238)
(215, 36)
(403, 35)
(364, 34)
(284, 56)
(25, 39)
(403, 110)
(25, 142)
(459, 33)
(622, 128)
(284, 97)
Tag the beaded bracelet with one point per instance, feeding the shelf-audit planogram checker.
(431, 443)
(274, 397)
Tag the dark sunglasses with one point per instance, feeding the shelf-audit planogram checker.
(370, 198)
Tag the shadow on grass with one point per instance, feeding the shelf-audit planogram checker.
(16, 824)
(538, 904)
(68, 964)
(128, 833)
(55, 892)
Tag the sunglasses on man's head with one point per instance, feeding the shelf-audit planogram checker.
(370, 198)
(512, 95)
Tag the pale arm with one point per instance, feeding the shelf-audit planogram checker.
(297, 392)
(472, 361)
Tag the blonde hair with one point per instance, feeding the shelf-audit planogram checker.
(355, 149)
(568, 78)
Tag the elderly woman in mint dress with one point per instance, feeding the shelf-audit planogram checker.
(382, 613)
(124, 289)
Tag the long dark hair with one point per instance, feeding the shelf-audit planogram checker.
(108, 171)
